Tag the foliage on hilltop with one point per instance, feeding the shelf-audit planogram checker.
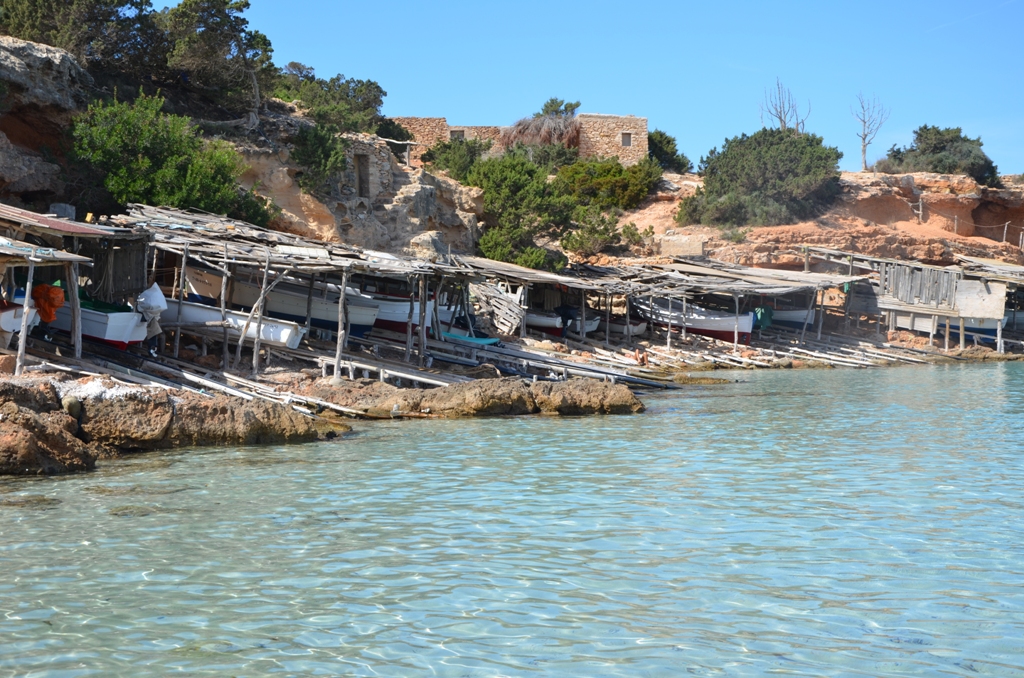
(142, 155)
(774, 176)
(944, 150)
(662, 147)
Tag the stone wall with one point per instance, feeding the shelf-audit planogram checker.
(603, 136)
(426, 131)
(600, 136)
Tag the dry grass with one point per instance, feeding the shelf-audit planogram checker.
(543, 130)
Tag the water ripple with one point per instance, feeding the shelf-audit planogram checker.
(809, 523)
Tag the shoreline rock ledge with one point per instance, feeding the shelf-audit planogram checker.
(52, 424)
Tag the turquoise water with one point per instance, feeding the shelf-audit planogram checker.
(860, 523)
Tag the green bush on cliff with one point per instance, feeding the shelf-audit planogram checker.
(592, 233)
(942, 150)
(606, 184)
(662, 147)
(771, 177)
(150, 157)
(321, 152)
(457, 157)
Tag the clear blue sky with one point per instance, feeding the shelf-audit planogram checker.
(695, 70)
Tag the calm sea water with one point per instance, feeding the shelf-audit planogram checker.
(862, 523)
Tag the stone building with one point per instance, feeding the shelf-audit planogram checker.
(622, 136)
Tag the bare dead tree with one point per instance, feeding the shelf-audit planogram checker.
(872, 115)
(781, 109)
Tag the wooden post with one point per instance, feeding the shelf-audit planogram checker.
(736, 328)
(807, 315)
(999, 335)
(668, 335)
(467, 308)
(225, 281)
(525, 293)
(76, 309)
(947, 334)
(931, 329)
(408, 321)
(309, 300)
(807, 260)
(682, 325)
(342, 325)
(19, 362)
(821, 313)
(1006, 227)
(962, 338)
(181, 298)
(629, 327)
(583, 314)
(252, 311)
(423, 320)
(436, 312)
(262, 303)
(608, 320)
(956, 225)
(650, 329)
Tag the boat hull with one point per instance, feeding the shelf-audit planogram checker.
(618, 326)
(10, 317)
(697, 320)
(284, 302)
(273, 332)
(117, 329)
(791, 317)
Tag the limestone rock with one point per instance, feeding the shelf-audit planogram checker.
(585, 396)
(40, 75)
(23, 171)
(136, 420)
(223, 420)
(34, 442)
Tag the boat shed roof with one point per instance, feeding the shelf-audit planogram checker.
(44, 224)
(218, 241)
(17, 253)
(991, 269)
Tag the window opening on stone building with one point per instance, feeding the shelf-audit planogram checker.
(457, 134)
(363, 175)
(627, 138)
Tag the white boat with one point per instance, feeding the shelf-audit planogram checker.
(105, 322)
(546, 321)
(716, 324)
(11, 314)
(591, 325)
(793, 317)
(987, 327)
(273, 332)
(618, 326)
(287, 301)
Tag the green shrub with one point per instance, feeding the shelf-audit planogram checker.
(634, 237)
(519, 203)
(942, 150)
(593, 233)
(771, 177)
(736, 235)
(149, 157)
(321, 152)
(662, 147)
(604, 183)
(457, 156)
(550, 156)
(350, 105)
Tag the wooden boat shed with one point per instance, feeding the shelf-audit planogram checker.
(230, 247)
(922, 297)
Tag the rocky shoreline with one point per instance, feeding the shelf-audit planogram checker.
(53, 424)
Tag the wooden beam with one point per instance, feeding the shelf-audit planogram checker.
(19, 362)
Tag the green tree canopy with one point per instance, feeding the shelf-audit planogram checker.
(150, 157)
(107, 31)
(605, 183)
(350, 105)
(662, 147)
(774, 176)
(944, 150)
(558, 107)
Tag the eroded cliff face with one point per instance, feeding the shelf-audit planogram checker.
(41, 87)
(378, 202)
(876, 214)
